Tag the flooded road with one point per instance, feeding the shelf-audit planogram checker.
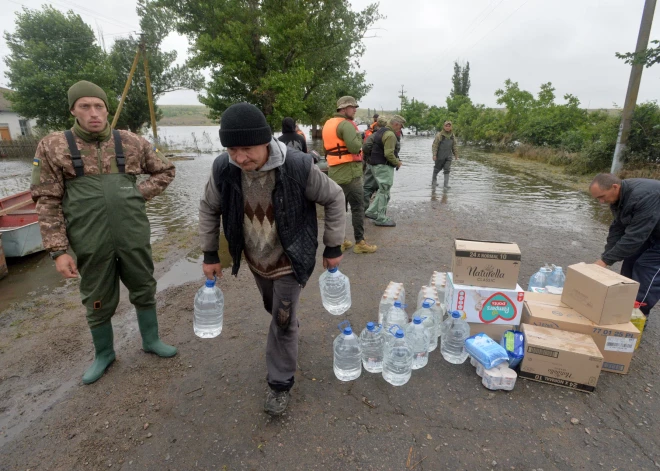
(482, 187)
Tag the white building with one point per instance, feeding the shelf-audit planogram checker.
(12, 126)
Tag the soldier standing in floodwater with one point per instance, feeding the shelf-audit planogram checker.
(84, 182)
(444, 151)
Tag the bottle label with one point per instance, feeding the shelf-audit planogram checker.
(374, 362)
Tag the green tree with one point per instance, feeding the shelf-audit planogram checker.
(460, 80)
(276, 54)
(647, 57)
(415, 113)
(518, 104)
(49, 52)
(165, 77)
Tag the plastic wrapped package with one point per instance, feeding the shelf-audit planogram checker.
(486, 350)
(513, 342)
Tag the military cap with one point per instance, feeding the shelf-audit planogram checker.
(345, 101)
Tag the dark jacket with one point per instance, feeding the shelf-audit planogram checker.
(385, 149)
(299, 186)
(290, 137)
(636, 219)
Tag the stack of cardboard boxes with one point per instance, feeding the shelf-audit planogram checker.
(572, 337)
(483, 286)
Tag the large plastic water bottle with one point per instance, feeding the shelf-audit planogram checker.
(347, 354)
(335, 291)
(556, 278)
(453, 342)
(419, 338)
(208, 311)
(396, 315)
(430, 320)
(539, 279)
(372, 342)
(397, 360)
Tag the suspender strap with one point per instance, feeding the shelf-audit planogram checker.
(75, 154)
(119, 152)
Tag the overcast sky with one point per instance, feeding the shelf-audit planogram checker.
(570, 43)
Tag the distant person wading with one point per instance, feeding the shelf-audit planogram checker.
(444, 151)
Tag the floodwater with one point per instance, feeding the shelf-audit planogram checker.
(482, 187)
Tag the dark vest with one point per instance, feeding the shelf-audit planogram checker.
(378, 151)
(295, 215)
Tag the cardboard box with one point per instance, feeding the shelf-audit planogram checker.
(485, 305)
(616, 342)
(599, 294)
(494, 331)
(488, 264)
(561, 358)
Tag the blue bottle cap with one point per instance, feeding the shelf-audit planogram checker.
(455, 314)
(371, 326)
(426, 304)
(210, 283)
(417, 320)
(333, 270)
(348, 330)
(399, 334)
(397, 303)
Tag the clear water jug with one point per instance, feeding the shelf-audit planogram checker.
(556, 278)
(430, 320)
(208, 311)
(335, 291)
(372, 342)
(419, 338)
(453, 341)
(539, 279)
(347, 354)
(397, 360)
(395, 315)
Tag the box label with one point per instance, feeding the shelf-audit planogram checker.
(613, 366)
(619, 344)
(498, 306)
(487, 255)
(543, 351)
(558, 381)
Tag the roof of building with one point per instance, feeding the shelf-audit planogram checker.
(5, 104)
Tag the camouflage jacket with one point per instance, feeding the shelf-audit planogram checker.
(53, 165)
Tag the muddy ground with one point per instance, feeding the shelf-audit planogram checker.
(203, 408)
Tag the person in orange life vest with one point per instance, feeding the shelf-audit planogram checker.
(372, 128)
(299, 131)
(343, 149)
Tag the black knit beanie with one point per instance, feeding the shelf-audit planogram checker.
(244, 125)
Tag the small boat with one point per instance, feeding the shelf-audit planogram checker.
(19, 225)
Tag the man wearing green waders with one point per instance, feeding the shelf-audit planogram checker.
(84, 184)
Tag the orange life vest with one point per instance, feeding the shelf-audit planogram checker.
(335, 149)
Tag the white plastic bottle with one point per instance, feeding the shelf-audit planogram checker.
(418, 338)
(347, 354)
(371, 342)
(398, 358)
(335, 291)
(453, 341)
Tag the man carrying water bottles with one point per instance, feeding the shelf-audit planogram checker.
(634, 236)
(265, 194)
(84, 181)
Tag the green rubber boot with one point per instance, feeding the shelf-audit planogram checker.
(104, 352)
(151, 343)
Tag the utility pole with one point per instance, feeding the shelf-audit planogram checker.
(633, 86)
(402, 96)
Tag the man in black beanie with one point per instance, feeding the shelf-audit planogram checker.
(265, 194)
